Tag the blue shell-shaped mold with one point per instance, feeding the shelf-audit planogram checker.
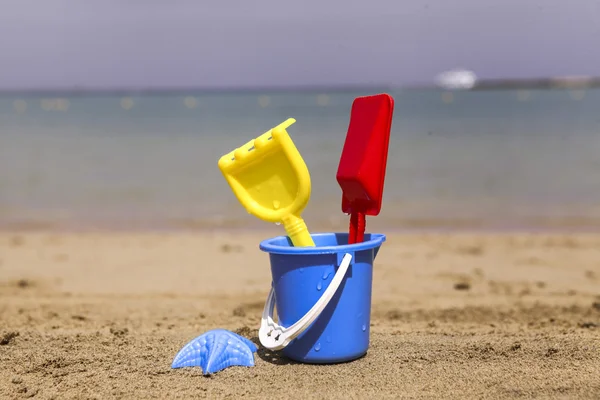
(216, 350)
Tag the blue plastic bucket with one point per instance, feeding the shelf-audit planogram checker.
(301, 275)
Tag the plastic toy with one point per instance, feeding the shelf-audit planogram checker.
(361, 171)
(216, 350)
(269, 177)
(321, 283)
(324, 311)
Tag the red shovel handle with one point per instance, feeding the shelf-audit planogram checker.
(360, 231)
(357, 227)
(353, 228)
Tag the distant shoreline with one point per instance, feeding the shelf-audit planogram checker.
(523, 84)
(562, 84)
(483, 84)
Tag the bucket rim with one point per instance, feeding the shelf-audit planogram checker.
(376, 239)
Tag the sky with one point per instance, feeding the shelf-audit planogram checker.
(270, 43)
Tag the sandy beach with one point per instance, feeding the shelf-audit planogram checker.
(454, 315)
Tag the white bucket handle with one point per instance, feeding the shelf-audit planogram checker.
(276, 337)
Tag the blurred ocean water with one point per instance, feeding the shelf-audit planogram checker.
(474, 159)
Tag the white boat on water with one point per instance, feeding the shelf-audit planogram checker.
(460, 79)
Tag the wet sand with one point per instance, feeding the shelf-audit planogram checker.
(101, 315)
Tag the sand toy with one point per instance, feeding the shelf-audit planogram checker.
(361, 171)
(321, 283)
(215, 350)
(323, 298)
(271, 180)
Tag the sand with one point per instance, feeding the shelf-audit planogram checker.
(101, 315)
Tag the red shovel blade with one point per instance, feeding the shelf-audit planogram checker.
(361, 172)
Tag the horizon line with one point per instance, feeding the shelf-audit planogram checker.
(196, 89)
(481, 84)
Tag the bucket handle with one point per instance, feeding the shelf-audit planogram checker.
(274, 336)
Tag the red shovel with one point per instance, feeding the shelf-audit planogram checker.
(361, 172)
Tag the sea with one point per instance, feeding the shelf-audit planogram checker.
(478, 159)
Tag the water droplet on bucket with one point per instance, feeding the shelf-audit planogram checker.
(364, 327)
(326, 274)
(328, 339)
(301, 270)
(276, 204)
(318, 347)
(319, 286)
